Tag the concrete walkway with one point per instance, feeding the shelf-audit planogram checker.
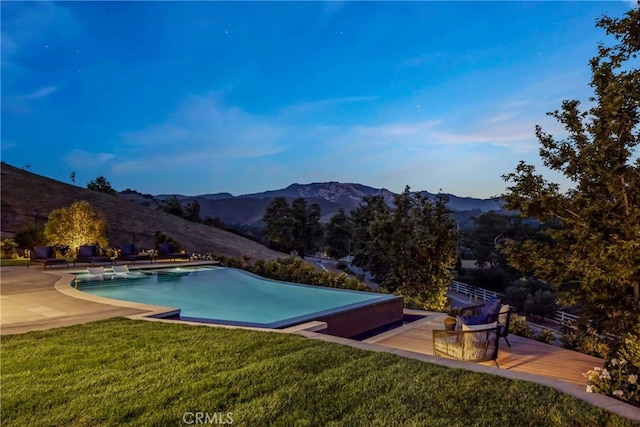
(29, 302)
(32, 299)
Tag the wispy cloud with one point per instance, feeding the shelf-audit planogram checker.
(202, 129)
(82, 160)
(516, 104)
(313, 106)
(40, 93)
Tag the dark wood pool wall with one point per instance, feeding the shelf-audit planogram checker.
(359, 320)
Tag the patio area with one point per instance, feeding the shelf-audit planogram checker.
(525, 355)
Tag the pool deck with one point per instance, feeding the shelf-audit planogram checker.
(33, 299)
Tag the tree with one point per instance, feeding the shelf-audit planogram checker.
(192, 212)
(338, 237)
(279, 224)
(592, 251)
(370, 221)
(411, 249)
(173, 206)
(100, 184)
(74, 226)
(292, 227)
(306, 225)
(492, 228)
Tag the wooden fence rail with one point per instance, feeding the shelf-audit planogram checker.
(475, 293)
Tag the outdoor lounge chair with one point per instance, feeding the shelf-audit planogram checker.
(167, 251)
(123, 272)
(46, 255)
(97, 273)
(129, 253)
(480, 313)
(488, 312)
(477, 343)
(91, 254)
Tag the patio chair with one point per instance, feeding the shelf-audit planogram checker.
(476, 343)
(167, 251)
(491, 311)
(129, 253)
(480, 313)
(46, 255)
(91, 254)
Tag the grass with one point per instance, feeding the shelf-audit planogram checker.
(125, 372)
(13, 262)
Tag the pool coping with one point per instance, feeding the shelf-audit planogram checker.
(158, 311)
(312, 330)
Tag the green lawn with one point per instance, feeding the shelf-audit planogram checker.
(142, 373)
(14, 262)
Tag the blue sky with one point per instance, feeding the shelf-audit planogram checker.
(242, 97)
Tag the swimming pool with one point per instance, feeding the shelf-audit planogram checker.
(235, 297)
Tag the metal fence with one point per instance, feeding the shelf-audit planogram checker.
(12, 222)
(475, 293)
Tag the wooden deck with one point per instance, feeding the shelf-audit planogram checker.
(525, 355)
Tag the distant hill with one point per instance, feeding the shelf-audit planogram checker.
(28, 198)
(247, 210)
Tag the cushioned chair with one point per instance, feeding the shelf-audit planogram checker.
(129, 253)
(167, 251)
(47, 256)
(475, 343)
(491, 311)
(91, 254)
(480, 313)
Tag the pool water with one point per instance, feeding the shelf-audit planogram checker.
(229, 296)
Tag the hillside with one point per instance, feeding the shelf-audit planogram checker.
(26, 195)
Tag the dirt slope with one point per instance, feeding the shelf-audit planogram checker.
(25, 195)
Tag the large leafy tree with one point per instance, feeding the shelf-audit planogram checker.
(492, 228)
(292, 227)
(412, 248)
(338, 235)
(278, 221)
(76, 225)
(592, 251)
(370, 228)
(306, 228)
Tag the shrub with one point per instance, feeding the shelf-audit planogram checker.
(518, 326)
(341, 265)
(546, 336)
(9, 249)
(584, 338)
(542, 303)
(30, 237)
(516, 296)
(159, 237)
(294, 269)
(620, 377)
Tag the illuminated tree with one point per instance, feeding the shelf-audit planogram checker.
(76, 225)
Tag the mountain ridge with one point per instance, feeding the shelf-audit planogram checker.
(246, 210)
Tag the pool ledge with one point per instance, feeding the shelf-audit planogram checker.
(63, 285)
